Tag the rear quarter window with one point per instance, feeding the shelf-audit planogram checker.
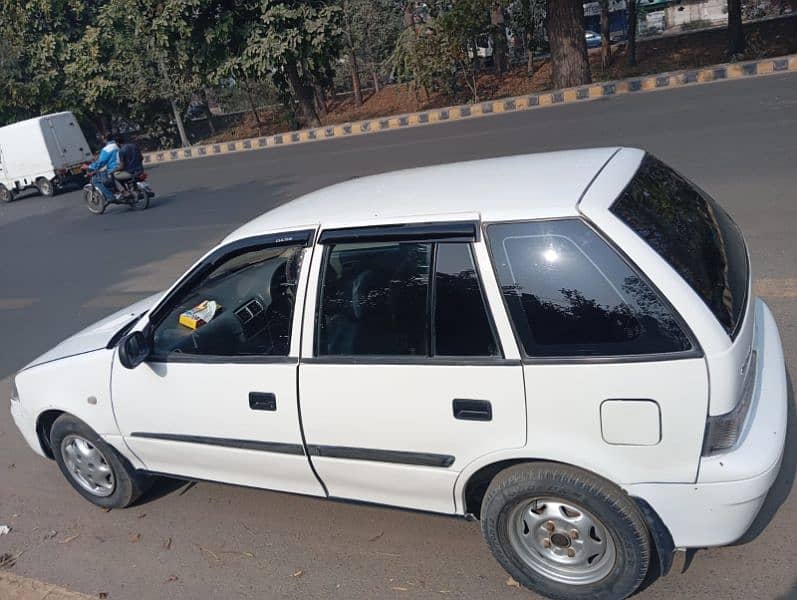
(570, 294)
(692, 233)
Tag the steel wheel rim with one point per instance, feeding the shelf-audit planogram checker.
(95, 201)
(87, 466)
(561, 540)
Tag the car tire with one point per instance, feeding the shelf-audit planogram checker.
(45, 187)
(565, 533)
(6, 195)
(94, 468)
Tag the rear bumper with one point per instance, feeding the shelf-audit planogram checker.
(731, 487)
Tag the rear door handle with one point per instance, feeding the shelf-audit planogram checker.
(472, 410)
(262, 401)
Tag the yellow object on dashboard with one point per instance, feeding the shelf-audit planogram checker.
(201, 314)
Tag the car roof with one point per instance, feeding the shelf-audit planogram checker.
(530, 186)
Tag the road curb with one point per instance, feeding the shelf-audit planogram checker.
(595, 91)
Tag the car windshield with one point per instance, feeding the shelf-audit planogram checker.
(693, 234)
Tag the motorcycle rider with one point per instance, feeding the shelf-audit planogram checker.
(130, 158)
(131, 164)
(107, 162)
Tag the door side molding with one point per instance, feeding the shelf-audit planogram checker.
(276, 447)
(421, 459)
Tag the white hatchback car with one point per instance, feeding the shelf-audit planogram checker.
(565, 346)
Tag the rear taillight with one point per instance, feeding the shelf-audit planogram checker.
(723, 431)
(143, 177)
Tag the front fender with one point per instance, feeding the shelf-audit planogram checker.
(79, 385)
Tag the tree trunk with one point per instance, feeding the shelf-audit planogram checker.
(320, 100)
(375, 77)
(355, 78)
(409, 14)
(735, 31)
(630, 46)
(530, 54)
(180, 127)
(568, 45)
(208, 113)
(253, 108)
(606, 48)
(303, 94)
(527, 8)
(499, 37)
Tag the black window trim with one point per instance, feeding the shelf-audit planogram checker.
(695, 352)
(441, 231)
(439, 361)
(303, 238)
(498, 359)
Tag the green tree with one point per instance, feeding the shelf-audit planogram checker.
(35, 36)
(372, 28)
(293, 43)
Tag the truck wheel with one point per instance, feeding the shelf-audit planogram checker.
(6, 195)
(45, 186)
(97, 472)
(565, 533)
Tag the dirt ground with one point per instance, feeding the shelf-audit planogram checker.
(658, 55)
(14, 587)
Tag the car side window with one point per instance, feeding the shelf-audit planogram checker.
(461, 324)
(243, 307)
(569, 294)
(376, 299)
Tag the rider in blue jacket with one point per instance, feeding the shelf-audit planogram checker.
(107, 162)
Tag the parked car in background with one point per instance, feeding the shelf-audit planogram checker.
(594, 40)
(44, 153)
(575, 358)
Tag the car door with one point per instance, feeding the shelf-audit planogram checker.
(217, 399)
(405, 376)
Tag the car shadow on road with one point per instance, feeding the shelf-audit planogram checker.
(164, 486)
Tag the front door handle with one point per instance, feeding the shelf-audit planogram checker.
(262, 401)
(473, 410)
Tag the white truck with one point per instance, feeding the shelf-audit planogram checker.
(43, 153)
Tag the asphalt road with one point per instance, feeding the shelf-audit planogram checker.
(63, 268)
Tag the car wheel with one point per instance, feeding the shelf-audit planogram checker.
(45, 186)
(565, 533)
(98, 472)
(6, 195)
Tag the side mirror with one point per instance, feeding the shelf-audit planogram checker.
(134, 349)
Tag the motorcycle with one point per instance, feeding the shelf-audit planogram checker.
(134, 191)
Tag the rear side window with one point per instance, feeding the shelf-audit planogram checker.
(569, 294)
(692, 233)
(402, 299)
(461, 326)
